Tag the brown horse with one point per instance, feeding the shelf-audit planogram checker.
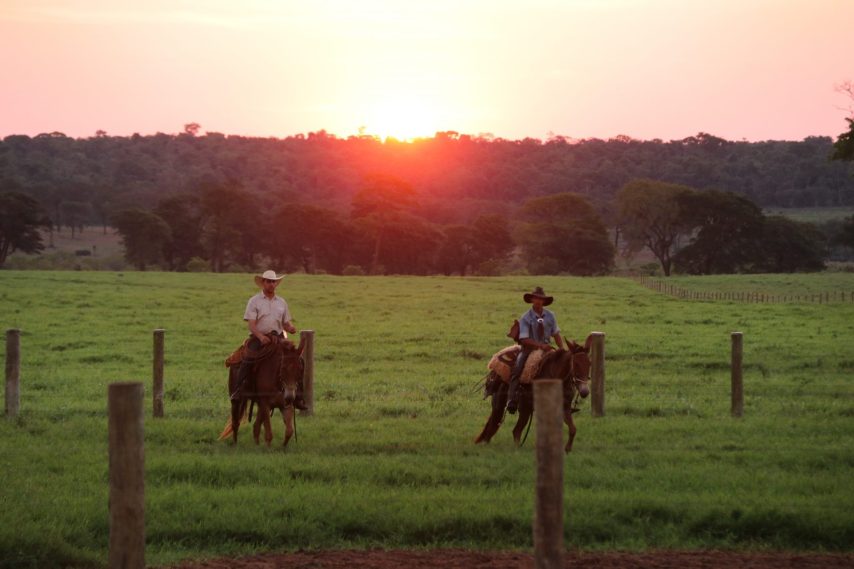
(273, 386)
(572, 366)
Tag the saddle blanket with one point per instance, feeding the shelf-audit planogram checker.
(502, 363)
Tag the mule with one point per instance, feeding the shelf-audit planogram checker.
(571, 366)
(273, 385)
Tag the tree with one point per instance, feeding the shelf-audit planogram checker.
(846, 233)
(485, 242)
(229, 225)
(563, 233)
(843, 148)
(650, 215)
(310, 237)
(790, 246)
(726, 229)
(183, 216)
(143, 235)
(21, 217)
(379, 205)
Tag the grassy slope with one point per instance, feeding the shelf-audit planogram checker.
(388, 459)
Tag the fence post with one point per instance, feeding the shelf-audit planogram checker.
(548, 510)
(157, 388)
(597, 374)
(13, 372)
(307, 336)
(737, 409)
(127, 476)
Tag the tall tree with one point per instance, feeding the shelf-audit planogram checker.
(143, 236)
(651, 215)
(21, 218)
(726, 229)
(229, 227)
(790, 246)
(379, 205)
(563, 233)
(183, 215)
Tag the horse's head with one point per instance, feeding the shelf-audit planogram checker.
(291, 369)
(579, 365)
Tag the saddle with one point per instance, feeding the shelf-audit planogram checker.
(501, 364)
(245, 353)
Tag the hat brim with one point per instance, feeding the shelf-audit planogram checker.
(259, 280)
(529, 298)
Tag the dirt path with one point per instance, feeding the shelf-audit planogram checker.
(461, 559)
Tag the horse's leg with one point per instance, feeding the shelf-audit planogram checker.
(236, 415)
(264, 415)
(288, 419)
(526, 408)
(256, 426)
(567, 417)
(499, 402)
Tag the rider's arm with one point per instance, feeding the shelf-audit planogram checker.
(253, 329)
(559, 341)
(289, 327)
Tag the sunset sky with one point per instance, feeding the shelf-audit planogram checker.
(752, 69)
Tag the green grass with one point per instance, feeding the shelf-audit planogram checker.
(388, 459)
(812, 214)
(775, 285)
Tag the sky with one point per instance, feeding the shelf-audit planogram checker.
(668, 69)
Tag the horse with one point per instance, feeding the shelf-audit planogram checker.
(572, 366)
(273, 386)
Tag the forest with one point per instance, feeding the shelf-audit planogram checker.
(453, 203)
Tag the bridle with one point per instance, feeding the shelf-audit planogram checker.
(576, 379)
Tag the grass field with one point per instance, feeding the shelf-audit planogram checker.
(388, 460)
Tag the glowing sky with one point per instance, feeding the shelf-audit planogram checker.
(754, 69)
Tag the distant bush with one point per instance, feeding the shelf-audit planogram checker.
(491, 268)
(353, 271)
(83, 252)
(197, 265)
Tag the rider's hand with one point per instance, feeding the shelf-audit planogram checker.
(547, 347)
(264, 340)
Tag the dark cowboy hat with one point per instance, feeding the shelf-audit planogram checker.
(538, 293)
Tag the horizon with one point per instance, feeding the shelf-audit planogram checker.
(752, 70)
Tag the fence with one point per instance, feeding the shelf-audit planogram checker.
(676, 291)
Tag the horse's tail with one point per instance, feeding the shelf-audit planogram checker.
(226, 432)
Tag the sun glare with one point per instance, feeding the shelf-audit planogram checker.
(401, 118)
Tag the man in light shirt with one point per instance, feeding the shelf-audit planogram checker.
(267, 315)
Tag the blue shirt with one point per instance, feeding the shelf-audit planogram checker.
(529, 325)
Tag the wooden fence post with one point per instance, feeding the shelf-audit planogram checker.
(548, 510)
(737, 409)
(13, 372)
(307, 336)
(127, 476)
(597, 374)
(157, 387)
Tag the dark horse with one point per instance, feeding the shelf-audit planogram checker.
(277, 370)
(572, 366)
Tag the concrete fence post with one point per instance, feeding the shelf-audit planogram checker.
(307, 336)
(127, 476)
(737, 409)
(548, 510)
(13, 372)
(597, 374)
(157, 383)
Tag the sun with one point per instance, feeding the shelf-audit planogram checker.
(403, 118)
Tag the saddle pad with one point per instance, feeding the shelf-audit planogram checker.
(502, 364)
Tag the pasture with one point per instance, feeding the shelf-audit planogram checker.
(388, 459)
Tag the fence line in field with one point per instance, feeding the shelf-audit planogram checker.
(676, 291)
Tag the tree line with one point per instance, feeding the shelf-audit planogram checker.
(188, 202)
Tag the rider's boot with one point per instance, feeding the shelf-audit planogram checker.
(242, 378)
(515, 376)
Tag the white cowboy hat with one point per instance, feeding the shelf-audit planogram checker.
(268, 275)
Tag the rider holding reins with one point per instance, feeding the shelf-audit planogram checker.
(267, 314)
(536, 328)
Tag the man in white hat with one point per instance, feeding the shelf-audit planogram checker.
(267, 315)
